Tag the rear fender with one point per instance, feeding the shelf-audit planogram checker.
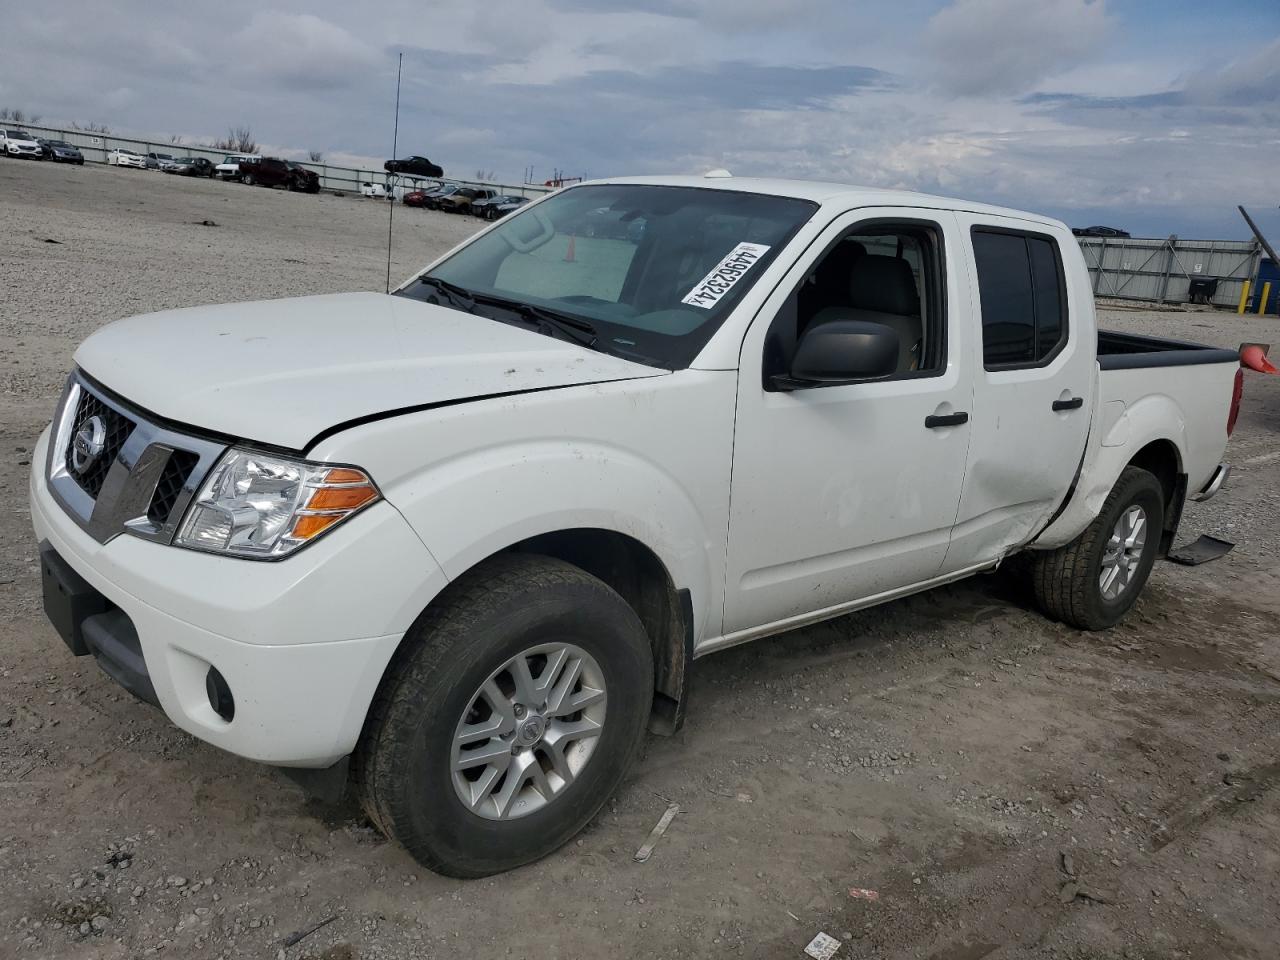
(1124, 429)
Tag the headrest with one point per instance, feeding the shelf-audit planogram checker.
(883, 284)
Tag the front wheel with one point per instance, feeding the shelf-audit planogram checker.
(249, 180)
(509, 716)
(1093, 581)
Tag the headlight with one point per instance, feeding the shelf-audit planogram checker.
(261, 505)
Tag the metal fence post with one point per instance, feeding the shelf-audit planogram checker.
(1168, 265)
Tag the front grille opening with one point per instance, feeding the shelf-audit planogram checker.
(117, 428)
(174, 476)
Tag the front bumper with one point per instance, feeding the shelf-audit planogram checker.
(302, 643)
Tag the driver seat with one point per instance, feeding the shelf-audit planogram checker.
(883, 290)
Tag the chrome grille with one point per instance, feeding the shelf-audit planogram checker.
(116, 429)
(169, 487)
(126, 474)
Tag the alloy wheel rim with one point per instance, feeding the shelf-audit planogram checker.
(1123, 553)
(528, 731)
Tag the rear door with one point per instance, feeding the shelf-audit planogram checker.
(1034, 371)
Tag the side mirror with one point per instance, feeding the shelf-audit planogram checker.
(842, 351)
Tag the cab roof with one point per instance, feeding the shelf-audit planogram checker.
(841, 195)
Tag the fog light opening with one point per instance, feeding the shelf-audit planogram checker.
(224, 705)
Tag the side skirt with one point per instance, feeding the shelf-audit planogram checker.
(839, 610)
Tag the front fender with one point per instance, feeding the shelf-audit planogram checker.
(648, 458)
(474, 505)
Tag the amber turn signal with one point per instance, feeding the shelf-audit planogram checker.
(341, 498)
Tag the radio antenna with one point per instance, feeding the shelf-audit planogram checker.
(395, 139)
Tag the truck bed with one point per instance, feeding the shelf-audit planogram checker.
(1127, 351)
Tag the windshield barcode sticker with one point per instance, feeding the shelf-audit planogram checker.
(727, 272)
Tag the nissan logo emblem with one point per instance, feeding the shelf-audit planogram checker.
(87, 444)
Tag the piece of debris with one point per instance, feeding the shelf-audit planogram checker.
(656, 833)
(51, 240)
(822, 947)
(206, 223)
(293, 938)
(1094, 894)
(1068, 864)
(859, 893)
(1072, 891)
(1201, 551)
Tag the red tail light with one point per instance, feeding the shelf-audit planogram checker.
(1237, 391)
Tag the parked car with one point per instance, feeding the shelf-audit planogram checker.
(460, 200)
(497, 211)
(160, 161)
(416, 165)
(370, 189)
(1099, 232)
(19, 143)
(229, 168)
(121, 157)
(59, 151)
(192, 167)
(418, 198)
(433, 198)
(274, 172)
(509, 504)
(480, 208)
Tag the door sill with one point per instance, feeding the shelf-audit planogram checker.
(839, 610)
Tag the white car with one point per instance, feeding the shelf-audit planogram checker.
(370, 189)
(126, 158)
(18, 143)
(467, 538)
(229, 168)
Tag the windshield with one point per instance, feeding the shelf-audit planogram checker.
(19, 135)
(654, 269)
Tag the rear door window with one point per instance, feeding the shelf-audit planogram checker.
(1022, 291)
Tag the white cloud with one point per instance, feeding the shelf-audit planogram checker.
(301, 49)
(1008, 46)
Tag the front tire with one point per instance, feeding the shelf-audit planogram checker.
(1092, 582)
(509, 716)
(249, 180)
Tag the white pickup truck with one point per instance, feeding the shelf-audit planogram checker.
(465, 540)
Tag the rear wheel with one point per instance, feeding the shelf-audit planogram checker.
(508, 718)
(1093, 581)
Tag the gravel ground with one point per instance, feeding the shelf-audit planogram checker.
(1008, 787)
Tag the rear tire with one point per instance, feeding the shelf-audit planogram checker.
(1092, 582)
(471, 819)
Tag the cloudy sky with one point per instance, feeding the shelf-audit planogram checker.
(1154, 115)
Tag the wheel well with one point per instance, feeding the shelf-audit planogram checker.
(1160, 458)
(639, 577)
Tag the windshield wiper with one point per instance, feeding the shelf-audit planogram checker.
(459, 297)
(575, 328)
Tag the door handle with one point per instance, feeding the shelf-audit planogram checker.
(936, 420)
(1075, 403)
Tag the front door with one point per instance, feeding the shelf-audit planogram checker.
(844, 493)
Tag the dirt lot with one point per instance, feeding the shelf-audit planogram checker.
(956, 752)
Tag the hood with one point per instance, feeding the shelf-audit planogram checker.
(285, 371)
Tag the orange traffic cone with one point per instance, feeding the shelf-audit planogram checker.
(569, 254)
